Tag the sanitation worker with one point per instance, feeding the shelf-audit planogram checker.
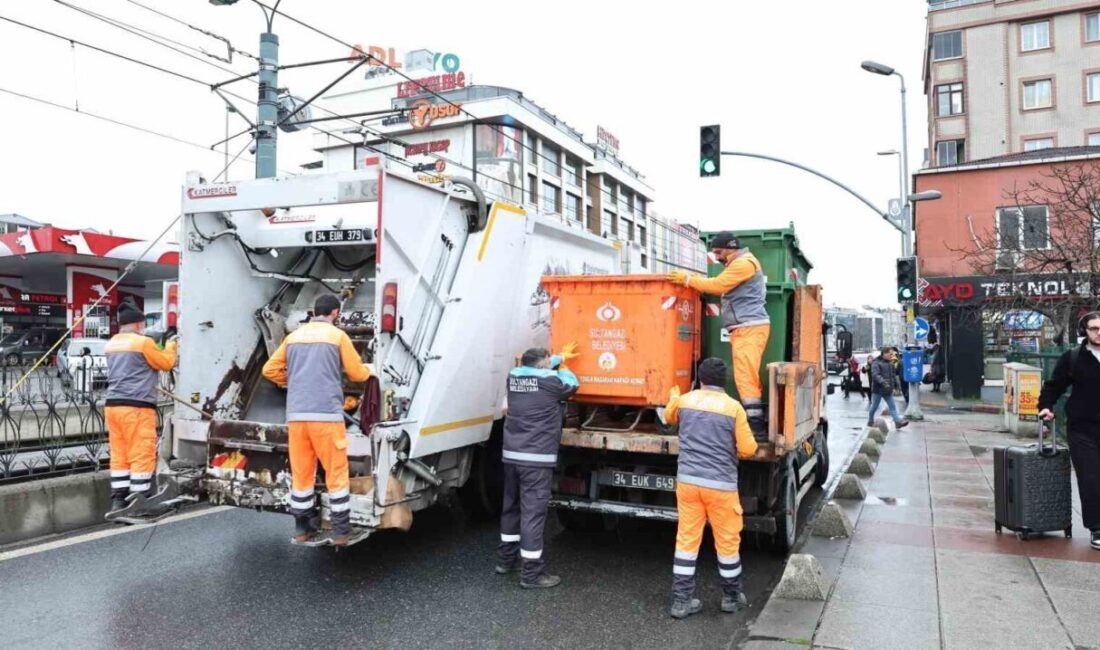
(308, 364)
(133, 364)
(532, 434)
(743, 289)
(714, 434)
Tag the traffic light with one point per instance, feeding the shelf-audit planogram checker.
(710, 150)
(907, 279)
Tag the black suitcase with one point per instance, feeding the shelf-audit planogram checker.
(1032, 488)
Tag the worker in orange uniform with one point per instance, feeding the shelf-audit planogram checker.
(133, 364)
(743, 288)
(308, 364)
(714, 434)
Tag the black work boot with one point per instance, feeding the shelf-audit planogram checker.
(304, 529)
(504, 568)
(117, 503)
(734, 602)
(1096, 539)
(544, 581)
(682, 608)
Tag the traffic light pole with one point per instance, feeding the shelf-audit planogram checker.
(912, 404)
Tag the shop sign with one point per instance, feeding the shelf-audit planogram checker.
(380, 56)
(421, 148)
(423, 112)
(606, 141)
(975, 290)
(434, 84)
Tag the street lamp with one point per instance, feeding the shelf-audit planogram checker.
(912, 410)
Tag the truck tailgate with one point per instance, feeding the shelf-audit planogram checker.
(646, 442)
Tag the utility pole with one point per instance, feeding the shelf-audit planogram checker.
(267, 108)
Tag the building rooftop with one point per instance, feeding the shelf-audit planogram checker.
(1052, 155)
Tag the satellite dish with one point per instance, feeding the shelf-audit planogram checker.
(287, 105)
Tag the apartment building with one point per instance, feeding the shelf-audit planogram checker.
(1008, 76)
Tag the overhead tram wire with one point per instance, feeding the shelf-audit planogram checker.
(428, 91)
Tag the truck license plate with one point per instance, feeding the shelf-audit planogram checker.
(341, 236)
(642, 481)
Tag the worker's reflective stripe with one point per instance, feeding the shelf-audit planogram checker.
(301, 494)
(729, 567)
(530, 555)
(301, 503)
(729, 573)
(339, 494)
(683, 570)
(120, 473)
(120, 485)
(706, 482)
(531, 458)
(339, 507)
(509, 538)
(141, 476)
(684, 555)
(736, 559)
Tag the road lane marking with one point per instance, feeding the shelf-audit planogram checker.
(101, 534)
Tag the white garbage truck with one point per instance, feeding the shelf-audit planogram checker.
(440, 291)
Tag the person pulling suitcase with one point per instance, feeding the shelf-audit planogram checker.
(1080, 368)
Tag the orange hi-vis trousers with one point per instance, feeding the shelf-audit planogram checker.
(747, 351)
(695, 506)
(132, 436)
(327, 442)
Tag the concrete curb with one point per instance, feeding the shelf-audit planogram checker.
(832, 522)
(803, 579)
(850, 487)
(862, 466)
(871, 448)
(53, 505)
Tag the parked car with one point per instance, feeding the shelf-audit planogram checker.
(26, 346)
(83, 360)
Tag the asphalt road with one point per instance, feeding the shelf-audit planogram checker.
(231, 579)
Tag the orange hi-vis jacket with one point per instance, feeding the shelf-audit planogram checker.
(743, 289)
(714, 434)
(308, 362)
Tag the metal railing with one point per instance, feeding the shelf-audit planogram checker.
(937, 5)
(53, 424)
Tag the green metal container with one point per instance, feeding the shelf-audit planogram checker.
(778, 252)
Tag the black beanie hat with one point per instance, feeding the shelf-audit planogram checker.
(726, 240)
(128, 315)
(712, 372)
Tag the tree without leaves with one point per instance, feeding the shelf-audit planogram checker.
(1061, 245)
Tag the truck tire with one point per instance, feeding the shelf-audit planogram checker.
(821, 472)
(482, 496)
(786, 512)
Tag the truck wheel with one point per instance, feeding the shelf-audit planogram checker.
(821, 471)
(786, 514)
(585, 522)
(482, 496)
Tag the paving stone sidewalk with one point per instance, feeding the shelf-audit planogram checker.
(924, 568)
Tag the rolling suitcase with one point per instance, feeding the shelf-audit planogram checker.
(1032, 488)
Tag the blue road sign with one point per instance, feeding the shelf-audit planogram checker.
(922, 328)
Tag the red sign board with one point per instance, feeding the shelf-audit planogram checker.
(434, 84)
(421, 148)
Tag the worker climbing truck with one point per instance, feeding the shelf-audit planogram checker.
(440, 290)
(642, 336)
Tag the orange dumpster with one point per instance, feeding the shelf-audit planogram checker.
(639, 335)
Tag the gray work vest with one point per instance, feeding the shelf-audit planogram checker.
(131, 381)
(708, 448)
(743, 306)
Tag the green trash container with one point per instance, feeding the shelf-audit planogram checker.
(779, 254)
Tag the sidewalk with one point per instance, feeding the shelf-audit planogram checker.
(924, 568)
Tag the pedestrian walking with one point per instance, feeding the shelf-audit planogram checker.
(865, 374)
(133, 365)
(884, 380)
(532, 435)
(308, 363)
(1079, 368)
(714, 434)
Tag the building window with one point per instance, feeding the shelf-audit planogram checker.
(641, 236)
(1035, 36)
(532, 190)
(1038, 143)
(641, 208)
(550, 158)
(609, 223)
(532, 149)
(947, 45)
(1038, 94)
(949, 99)
(551, 199)
(1094, 140)
(950, 152)
(572, 171)
(1023, 228)
(1092, 28)
(573, 207)
(1092, 87)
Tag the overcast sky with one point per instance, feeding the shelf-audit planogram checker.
(782, 78)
